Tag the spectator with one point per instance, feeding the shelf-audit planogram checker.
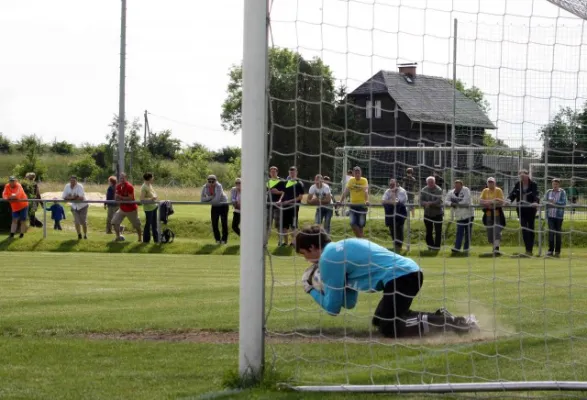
(150, 206)
(74, 192)
(110, 207)
(57, 214)
(125, 192)
(409, 184)
(556, 200)
(235, 198)
(358, 188)
(320, 195)
(431, 200)
(459, 199)
(572, 195)
(31, 177)
(13, 191)
(213, 193)
(525, 193)
(293, 192)
(492, 200)
(394, 203)
(274, 192)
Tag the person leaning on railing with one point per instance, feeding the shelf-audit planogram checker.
(13, 191)
(492, 200)
(556, 200)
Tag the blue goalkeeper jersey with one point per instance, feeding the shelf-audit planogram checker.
(356, 265)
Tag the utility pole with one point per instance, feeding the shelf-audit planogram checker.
(146, 128)
(121, 95)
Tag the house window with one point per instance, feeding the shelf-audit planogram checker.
(377, 108)
(420, 155)
(369, 109)
(437, 156)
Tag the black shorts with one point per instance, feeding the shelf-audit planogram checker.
(398, 295)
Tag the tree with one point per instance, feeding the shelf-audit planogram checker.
(566, 137)
(227, 154)
(163, 145)
(301, 111)
(85, 168)
(62, 148)
(32, 147)
(475, 94)
(5, 144)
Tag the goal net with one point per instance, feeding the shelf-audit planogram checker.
(463, 90)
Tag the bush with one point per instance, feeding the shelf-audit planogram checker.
(63, 148)
(85, 169)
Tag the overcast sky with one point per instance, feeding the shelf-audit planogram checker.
(60, 58)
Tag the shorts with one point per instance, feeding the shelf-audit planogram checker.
(358, 216)
(289, 218)
(21, 215)
(133, 217)
(80, 217)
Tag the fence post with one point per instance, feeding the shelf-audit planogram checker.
(44, 219)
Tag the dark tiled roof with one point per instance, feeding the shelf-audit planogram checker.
(427, 99)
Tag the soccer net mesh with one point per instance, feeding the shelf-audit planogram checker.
(371, 83)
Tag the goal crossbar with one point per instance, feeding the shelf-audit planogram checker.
(430, 148)
(451, 387)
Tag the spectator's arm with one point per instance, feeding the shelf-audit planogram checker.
(514, 193)
(386, 199)
(437, 199)
(205, 196)
(5, 192)
(327, 198)
(562, 200)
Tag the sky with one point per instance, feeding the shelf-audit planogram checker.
(60, 58)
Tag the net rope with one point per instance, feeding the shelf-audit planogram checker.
(529, 61)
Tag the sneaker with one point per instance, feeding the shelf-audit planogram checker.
(549, 254)
(120, 239)
(86, 237)
(21, 235)
(223, 242)
(79, 237)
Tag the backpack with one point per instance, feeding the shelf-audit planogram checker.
(167, 236)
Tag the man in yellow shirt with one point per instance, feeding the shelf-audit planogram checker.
(492, 200)
(358, 188)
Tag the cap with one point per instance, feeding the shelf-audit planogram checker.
(211, 177)
(12, 179)
(491, 179)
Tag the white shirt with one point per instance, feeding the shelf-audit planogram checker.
(463, 199)
(321, 193)
(401, 195)
(77, 190)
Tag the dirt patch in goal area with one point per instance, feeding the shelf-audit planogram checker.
(219, 337)
(89, 196)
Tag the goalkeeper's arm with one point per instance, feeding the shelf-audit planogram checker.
(332, 297)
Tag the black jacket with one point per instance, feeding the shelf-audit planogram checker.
(525, 198)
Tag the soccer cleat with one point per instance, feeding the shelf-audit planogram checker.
(464, 325)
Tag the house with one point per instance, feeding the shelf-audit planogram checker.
(406, 109)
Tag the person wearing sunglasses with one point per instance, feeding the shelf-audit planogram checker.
(213, 193)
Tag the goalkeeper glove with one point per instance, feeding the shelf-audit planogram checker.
(307, 277)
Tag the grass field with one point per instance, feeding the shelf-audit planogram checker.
(152, 326)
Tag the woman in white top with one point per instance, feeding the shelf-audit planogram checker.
(320, 195)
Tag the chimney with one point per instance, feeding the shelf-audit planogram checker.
(408, 69)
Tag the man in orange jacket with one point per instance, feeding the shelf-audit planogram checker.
(20, 209)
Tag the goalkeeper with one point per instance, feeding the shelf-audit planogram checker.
(342, 269)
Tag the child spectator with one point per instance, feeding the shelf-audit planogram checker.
(57, 214)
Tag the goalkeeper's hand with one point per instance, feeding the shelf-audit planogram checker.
(307, 277)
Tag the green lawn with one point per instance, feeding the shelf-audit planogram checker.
(63, 316)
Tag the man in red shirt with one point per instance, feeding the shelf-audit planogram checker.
(126, 192)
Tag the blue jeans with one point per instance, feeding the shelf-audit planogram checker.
(464, 231)
(358, 215)
(323, 214)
